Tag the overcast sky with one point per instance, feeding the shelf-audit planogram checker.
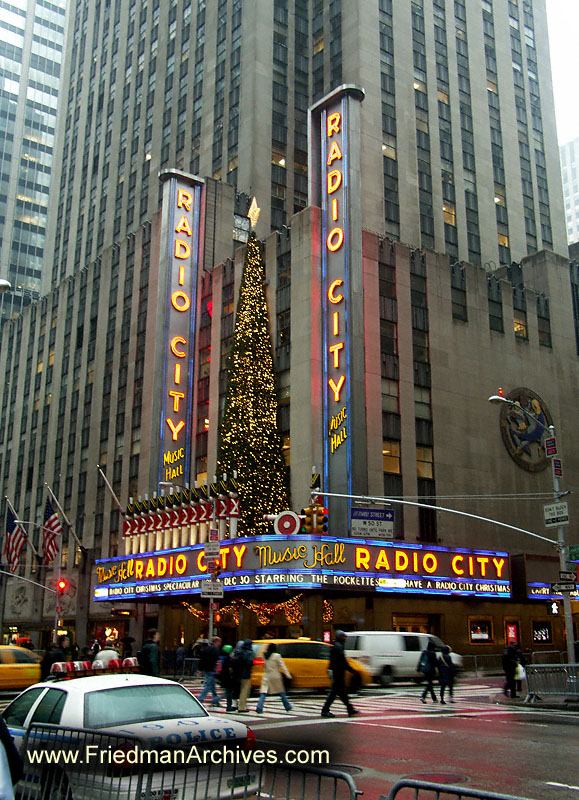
(563, 19)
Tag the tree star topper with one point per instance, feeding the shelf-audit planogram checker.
(253, 212)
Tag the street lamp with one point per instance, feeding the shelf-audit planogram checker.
(5, 286)
(496, 399)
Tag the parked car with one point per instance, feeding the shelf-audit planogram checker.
(307, 660)
(152, 712)
(19, 667)
(391, 655)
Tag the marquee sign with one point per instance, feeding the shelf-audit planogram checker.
(308, 562)
(182, 202)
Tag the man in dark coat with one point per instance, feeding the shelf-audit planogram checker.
(242, 666)
(207, 665)
(427, 665)
(149, 659)
(338, 667)
(512, 656)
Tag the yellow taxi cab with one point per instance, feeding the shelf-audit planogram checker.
(19, 667)
(308, 661)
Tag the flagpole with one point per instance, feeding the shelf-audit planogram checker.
(111, 490)
(4, 581)
(65, 518)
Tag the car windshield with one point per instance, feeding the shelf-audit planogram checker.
(128, 705)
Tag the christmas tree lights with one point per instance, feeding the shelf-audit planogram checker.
(250, 441)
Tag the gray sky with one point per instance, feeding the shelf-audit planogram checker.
(563, 20)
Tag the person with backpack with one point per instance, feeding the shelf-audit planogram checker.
(149, 656)
(446, 673)
(427, 666)
(208, 660)
(227, 679)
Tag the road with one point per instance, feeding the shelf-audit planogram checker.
(481, 741)
(478, 741)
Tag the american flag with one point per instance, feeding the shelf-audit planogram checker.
(14, 539)
(52, 529)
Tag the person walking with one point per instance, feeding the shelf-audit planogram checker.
(242, 665)
(207, 665)
(446, 673)
(427, 665)
(226, 677)
(338, 667)
(510, 661)
(180, 660)
(149, 659)
(272, 682)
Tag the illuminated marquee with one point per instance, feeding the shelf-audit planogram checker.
(182, 200)
(270, 562)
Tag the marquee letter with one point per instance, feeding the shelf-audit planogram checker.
(334, 123)
(455, 566)
(335, 239)
(180, 297)
(175, 428)
(335, 153)
(337, 388)
(362, 558)
(174, 342)
(334, 180)
(182, 249)
(331, 296)
(176, 397)
(184, 199)
(335, 349)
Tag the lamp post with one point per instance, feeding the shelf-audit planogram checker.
(5, 286)
(561, 546)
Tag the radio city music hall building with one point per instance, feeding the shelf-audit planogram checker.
(385, 355)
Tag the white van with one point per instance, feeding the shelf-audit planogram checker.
(392, 655)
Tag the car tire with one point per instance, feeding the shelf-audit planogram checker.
(386, 676)
(355, 683)
(56, 786)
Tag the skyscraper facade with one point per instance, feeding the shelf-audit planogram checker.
(442, 278)
(32, 34)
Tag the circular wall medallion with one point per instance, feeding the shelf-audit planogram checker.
(287, 523)
(523, 433)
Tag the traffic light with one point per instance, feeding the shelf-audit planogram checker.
(321, 519)
(61, 586)
(308, 523)
(216, 571)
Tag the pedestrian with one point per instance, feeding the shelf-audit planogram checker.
(242, 665)
(512, 657)
(272, 682)
(180, 660)
(149, 655)
(427, 665)
(108, 653)
(47, 661)
(446, 673)
(94, 649)
(207, 665)
(227, 679)
(338, 668)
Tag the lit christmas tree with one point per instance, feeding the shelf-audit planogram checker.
(250, 441)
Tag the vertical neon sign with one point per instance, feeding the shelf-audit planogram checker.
(182, 201)
(334, 185)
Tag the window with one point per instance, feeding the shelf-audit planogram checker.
(50, 707)
(480, 630)
(391, 457)
(17, 711)
(520, 323)
(542, 632)
(424, 462)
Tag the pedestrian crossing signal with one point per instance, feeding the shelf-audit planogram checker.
(553, 608)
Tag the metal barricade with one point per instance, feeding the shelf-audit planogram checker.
(83, 764)
(545, 680)
(408, 789)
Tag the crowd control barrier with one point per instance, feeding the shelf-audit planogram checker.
(111, 767)
(544, 680)
(408, 789)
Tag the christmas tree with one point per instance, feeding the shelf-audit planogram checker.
(250, 441)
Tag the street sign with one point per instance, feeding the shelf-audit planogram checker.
(556, 514)
(567, 575)
(213, 606)
(213, 534)
(212, 589)
(558, 467)
(551, 446)
(372, 523)
(573, 554)
(286, 523)
(562, 588)
(211, 550)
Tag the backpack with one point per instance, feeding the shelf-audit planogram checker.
(424, 663)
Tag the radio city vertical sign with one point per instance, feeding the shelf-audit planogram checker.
(180, 260)
(335, 186)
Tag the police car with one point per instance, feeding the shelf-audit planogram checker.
(91, 714)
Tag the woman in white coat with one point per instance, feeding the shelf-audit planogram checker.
(272, 681)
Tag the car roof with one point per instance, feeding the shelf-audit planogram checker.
(94, 683)
(287, 641)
